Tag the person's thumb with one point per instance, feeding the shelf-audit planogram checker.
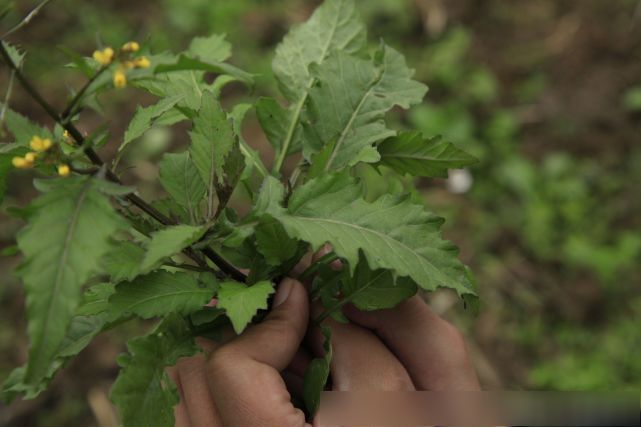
(275, 340)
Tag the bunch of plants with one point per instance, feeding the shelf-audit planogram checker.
(95, 254)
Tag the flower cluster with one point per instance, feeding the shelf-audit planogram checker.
(40, 147)
(125, 59)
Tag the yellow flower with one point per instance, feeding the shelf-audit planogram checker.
(64, 170)
(130, 47)
(120, 80)
(39, 144)
(21, 163)
(30, 157)
(128, 65)
(142, 62)
(104, 57)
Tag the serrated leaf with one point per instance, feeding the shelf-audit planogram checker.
(212, 140)
(123, 261)
(241, 302)
(159, 294)
(410, 152)
(22, 128)
(67, 235)
(168, 242)
(182, 181)
(392, 232)
(252, 158)
(349, 102)
(334, 26)
(316, 374)
(144, 118)
(143, 392)
(82, 330)
(375, 290)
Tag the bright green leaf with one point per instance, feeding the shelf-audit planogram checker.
(143, 392)
(66, 237)
(123, 261)
(168, 242)
(241, 302)
(182, 181)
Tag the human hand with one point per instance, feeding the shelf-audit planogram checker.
(247, 381)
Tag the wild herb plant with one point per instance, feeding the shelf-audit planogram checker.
(95, 254)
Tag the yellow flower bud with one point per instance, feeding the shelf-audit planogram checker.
(30, 157)
(142, 62)
(130, 47)
(39, 144)
(64, 170)
(119, 78)
(128, 65)
(21, 163)
(104, 57)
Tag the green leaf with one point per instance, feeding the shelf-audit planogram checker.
(186, 63)
(22, 128)
(410, 152)
(96, 300)
(143, 392)
(212, 48)
(145, 117)
(274, 244)
(349, 102)
(182, 181)
(212, 139)
(123, 261)
(6, 166)
(392, 232)
(82, 330)
(316, 374)
(160, 293)
(275, 120)
(334, 26)
(168, 242)
(66, 237)
(242, 302)
(375, 290)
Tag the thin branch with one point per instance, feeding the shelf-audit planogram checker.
(227, 269)
(6, 98)
(27, 18)
(70, 110)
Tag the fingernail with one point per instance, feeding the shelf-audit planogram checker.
(284, 289)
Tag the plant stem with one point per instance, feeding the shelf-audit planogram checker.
(69, 111)
(27, 19)
(226, 268)
(313, 269)
(291, 130)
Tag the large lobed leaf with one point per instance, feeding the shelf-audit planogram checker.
(393, 233)
(67, 235)
(349, 101)
(143, 392)
(334, 26)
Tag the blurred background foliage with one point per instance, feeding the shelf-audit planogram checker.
(546, 93)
